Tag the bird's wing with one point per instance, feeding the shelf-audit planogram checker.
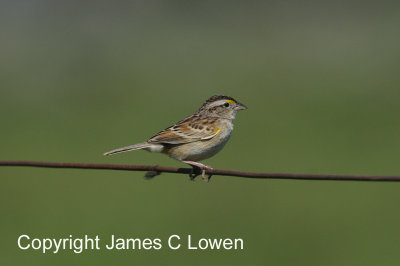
(188, 130)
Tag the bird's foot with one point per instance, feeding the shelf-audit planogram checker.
(203, 173)
(194, 172)
(203, 168)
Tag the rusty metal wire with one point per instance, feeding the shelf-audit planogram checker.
(165, 169)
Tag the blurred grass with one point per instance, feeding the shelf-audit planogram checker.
(321, 82)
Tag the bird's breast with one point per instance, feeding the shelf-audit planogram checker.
(203, 149)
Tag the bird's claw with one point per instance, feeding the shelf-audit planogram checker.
(203, 174)
(193, 174)
(197, 170)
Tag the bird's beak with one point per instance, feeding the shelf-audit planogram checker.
(240, 106)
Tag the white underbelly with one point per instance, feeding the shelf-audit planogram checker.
(200, 150)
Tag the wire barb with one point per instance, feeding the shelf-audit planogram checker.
(160, 169)
(152, 173)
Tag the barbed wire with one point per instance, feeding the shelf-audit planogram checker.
(154, 170)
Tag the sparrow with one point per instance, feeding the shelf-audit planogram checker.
(196, 137)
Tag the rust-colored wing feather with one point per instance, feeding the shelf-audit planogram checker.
(190, 129)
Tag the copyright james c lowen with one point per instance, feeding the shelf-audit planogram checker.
(86, 243)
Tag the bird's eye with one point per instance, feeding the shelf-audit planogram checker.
(226, 104)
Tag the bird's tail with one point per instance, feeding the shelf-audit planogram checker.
(138, 146)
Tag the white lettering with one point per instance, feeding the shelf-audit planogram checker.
(214, 243)
(169, 242)
(47, 244)
(228, 243)
(157, 243)
(147, 243)
(112, 243)
(241, 243)
(78, 243)
(205, 243)
(57, 245)
(190, 243)
(19, 242)
(34, 246)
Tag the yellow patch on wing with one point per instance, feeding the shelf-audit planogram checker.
(211, 136)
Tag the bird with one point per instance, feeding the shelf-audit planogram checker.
(196, 137)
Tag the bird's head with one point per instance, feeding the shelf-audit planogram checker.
(221, 106)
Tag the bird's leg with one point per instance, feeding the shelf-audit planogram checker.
(194, 172)
(203, 167)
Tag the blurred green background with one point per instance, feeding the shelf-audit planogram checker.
(321, 80)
